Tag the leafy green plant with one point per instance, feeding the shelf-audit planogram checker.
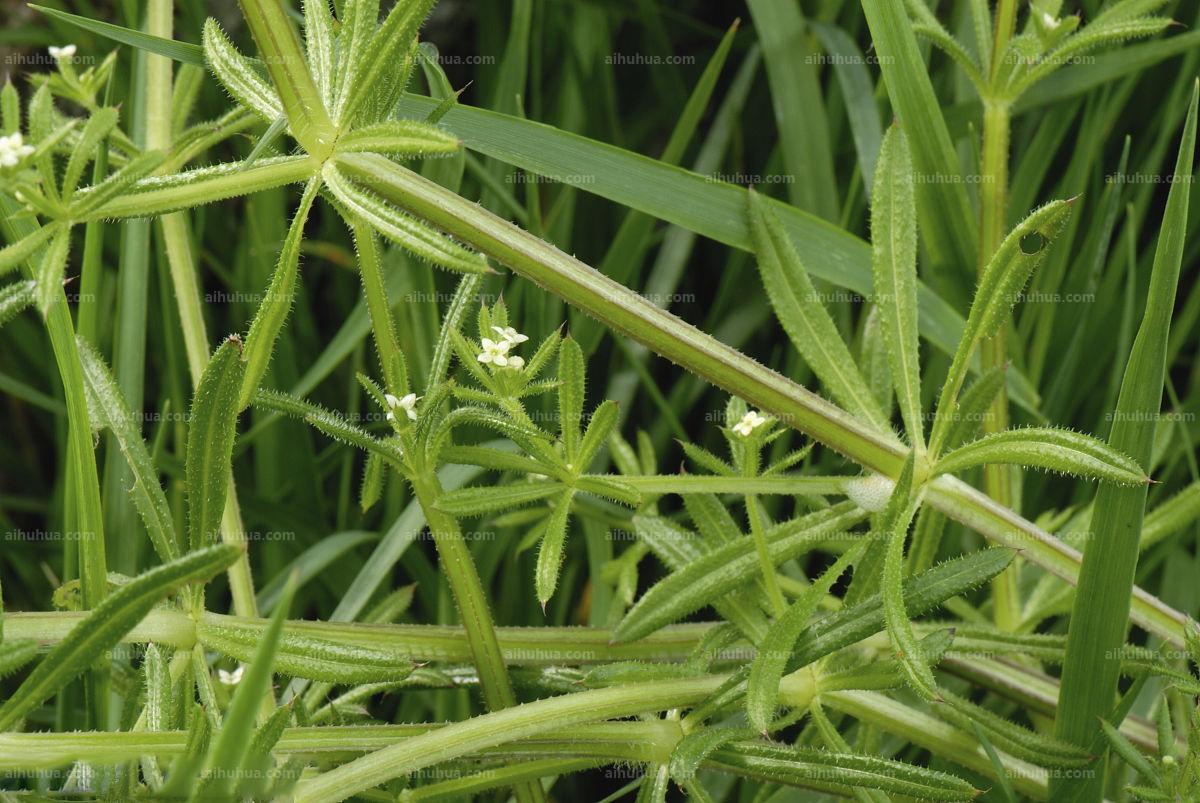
(883, 627)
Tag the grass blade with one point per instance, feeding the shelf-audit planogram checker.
(1100, 616)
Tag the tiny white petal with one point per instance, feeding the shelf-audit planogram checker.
(516, 362)
(391, 400)
(231, 678)
(412, 415)
(408, 401)
(390, 416)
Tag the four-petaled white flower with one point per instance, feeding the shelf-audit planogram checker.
(13, 149)
(408, 404)
(231, 678)
(64, 52)
(750, 422)
(496, 353)
(510, 335)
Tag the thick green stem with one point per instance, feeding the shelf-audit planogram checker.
(529, 719)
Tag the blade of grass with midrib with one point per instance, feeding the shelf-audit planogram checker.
(1100, 616)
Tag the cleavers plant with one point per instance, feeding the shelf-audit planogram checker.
(834, 681)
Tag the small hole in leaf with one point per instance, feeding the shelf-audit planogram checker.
(1032, 243)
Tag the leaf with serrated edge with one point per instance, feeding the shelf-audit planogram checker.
(762, 691)
(798, 307)
(894, 263)
(1047, 448)
(107, 623)
(238, 75)
(211, 431)
(108, 405)
(550, 555)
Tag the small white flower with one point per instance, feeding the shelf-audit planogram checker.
(750, 422)
(408, 404)
(510, 335)
(64, 52)
(13, 149)
(231, 678)
(496, 353)
(1049, 21)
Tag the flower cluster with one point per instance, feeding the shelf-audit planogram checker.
(751, 421)
(495, 352)
(408, 404)
(13, 149)
(60, 53)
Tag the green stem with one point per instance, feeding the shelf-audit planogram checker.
(454, 557)
(758, 532)
(519, 646)
(204, 186)
(276, 38)
(523, 721)
(627, 312)
(993, 203)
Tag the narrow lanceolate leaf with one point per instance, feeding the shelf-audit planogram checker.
(402, 229)
(108, 406)
(318, 45)
(383, 56)
(1020, 742)
(305, 656)
(894, 263)
(720, 571)
(1047, 448)
(87, 201)
(238, 74)
(1100, 615)
(841, 772)
(478, 501)
(298, 95)
(107, 623)
(330, 423)
(400, 137)
(98, 126)
(762, 692)
(159, 705)
(601, 425)
(15, 298)
(274, 309)
(1004, 278)
(211, 431)
(13, 255)
(696, 746)
(228, 751)
(15, 653)
(834, 741)
(894, 523)
(798, 306)
(358, 22)
(570, 395)
(550, 554)
(51, 270)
